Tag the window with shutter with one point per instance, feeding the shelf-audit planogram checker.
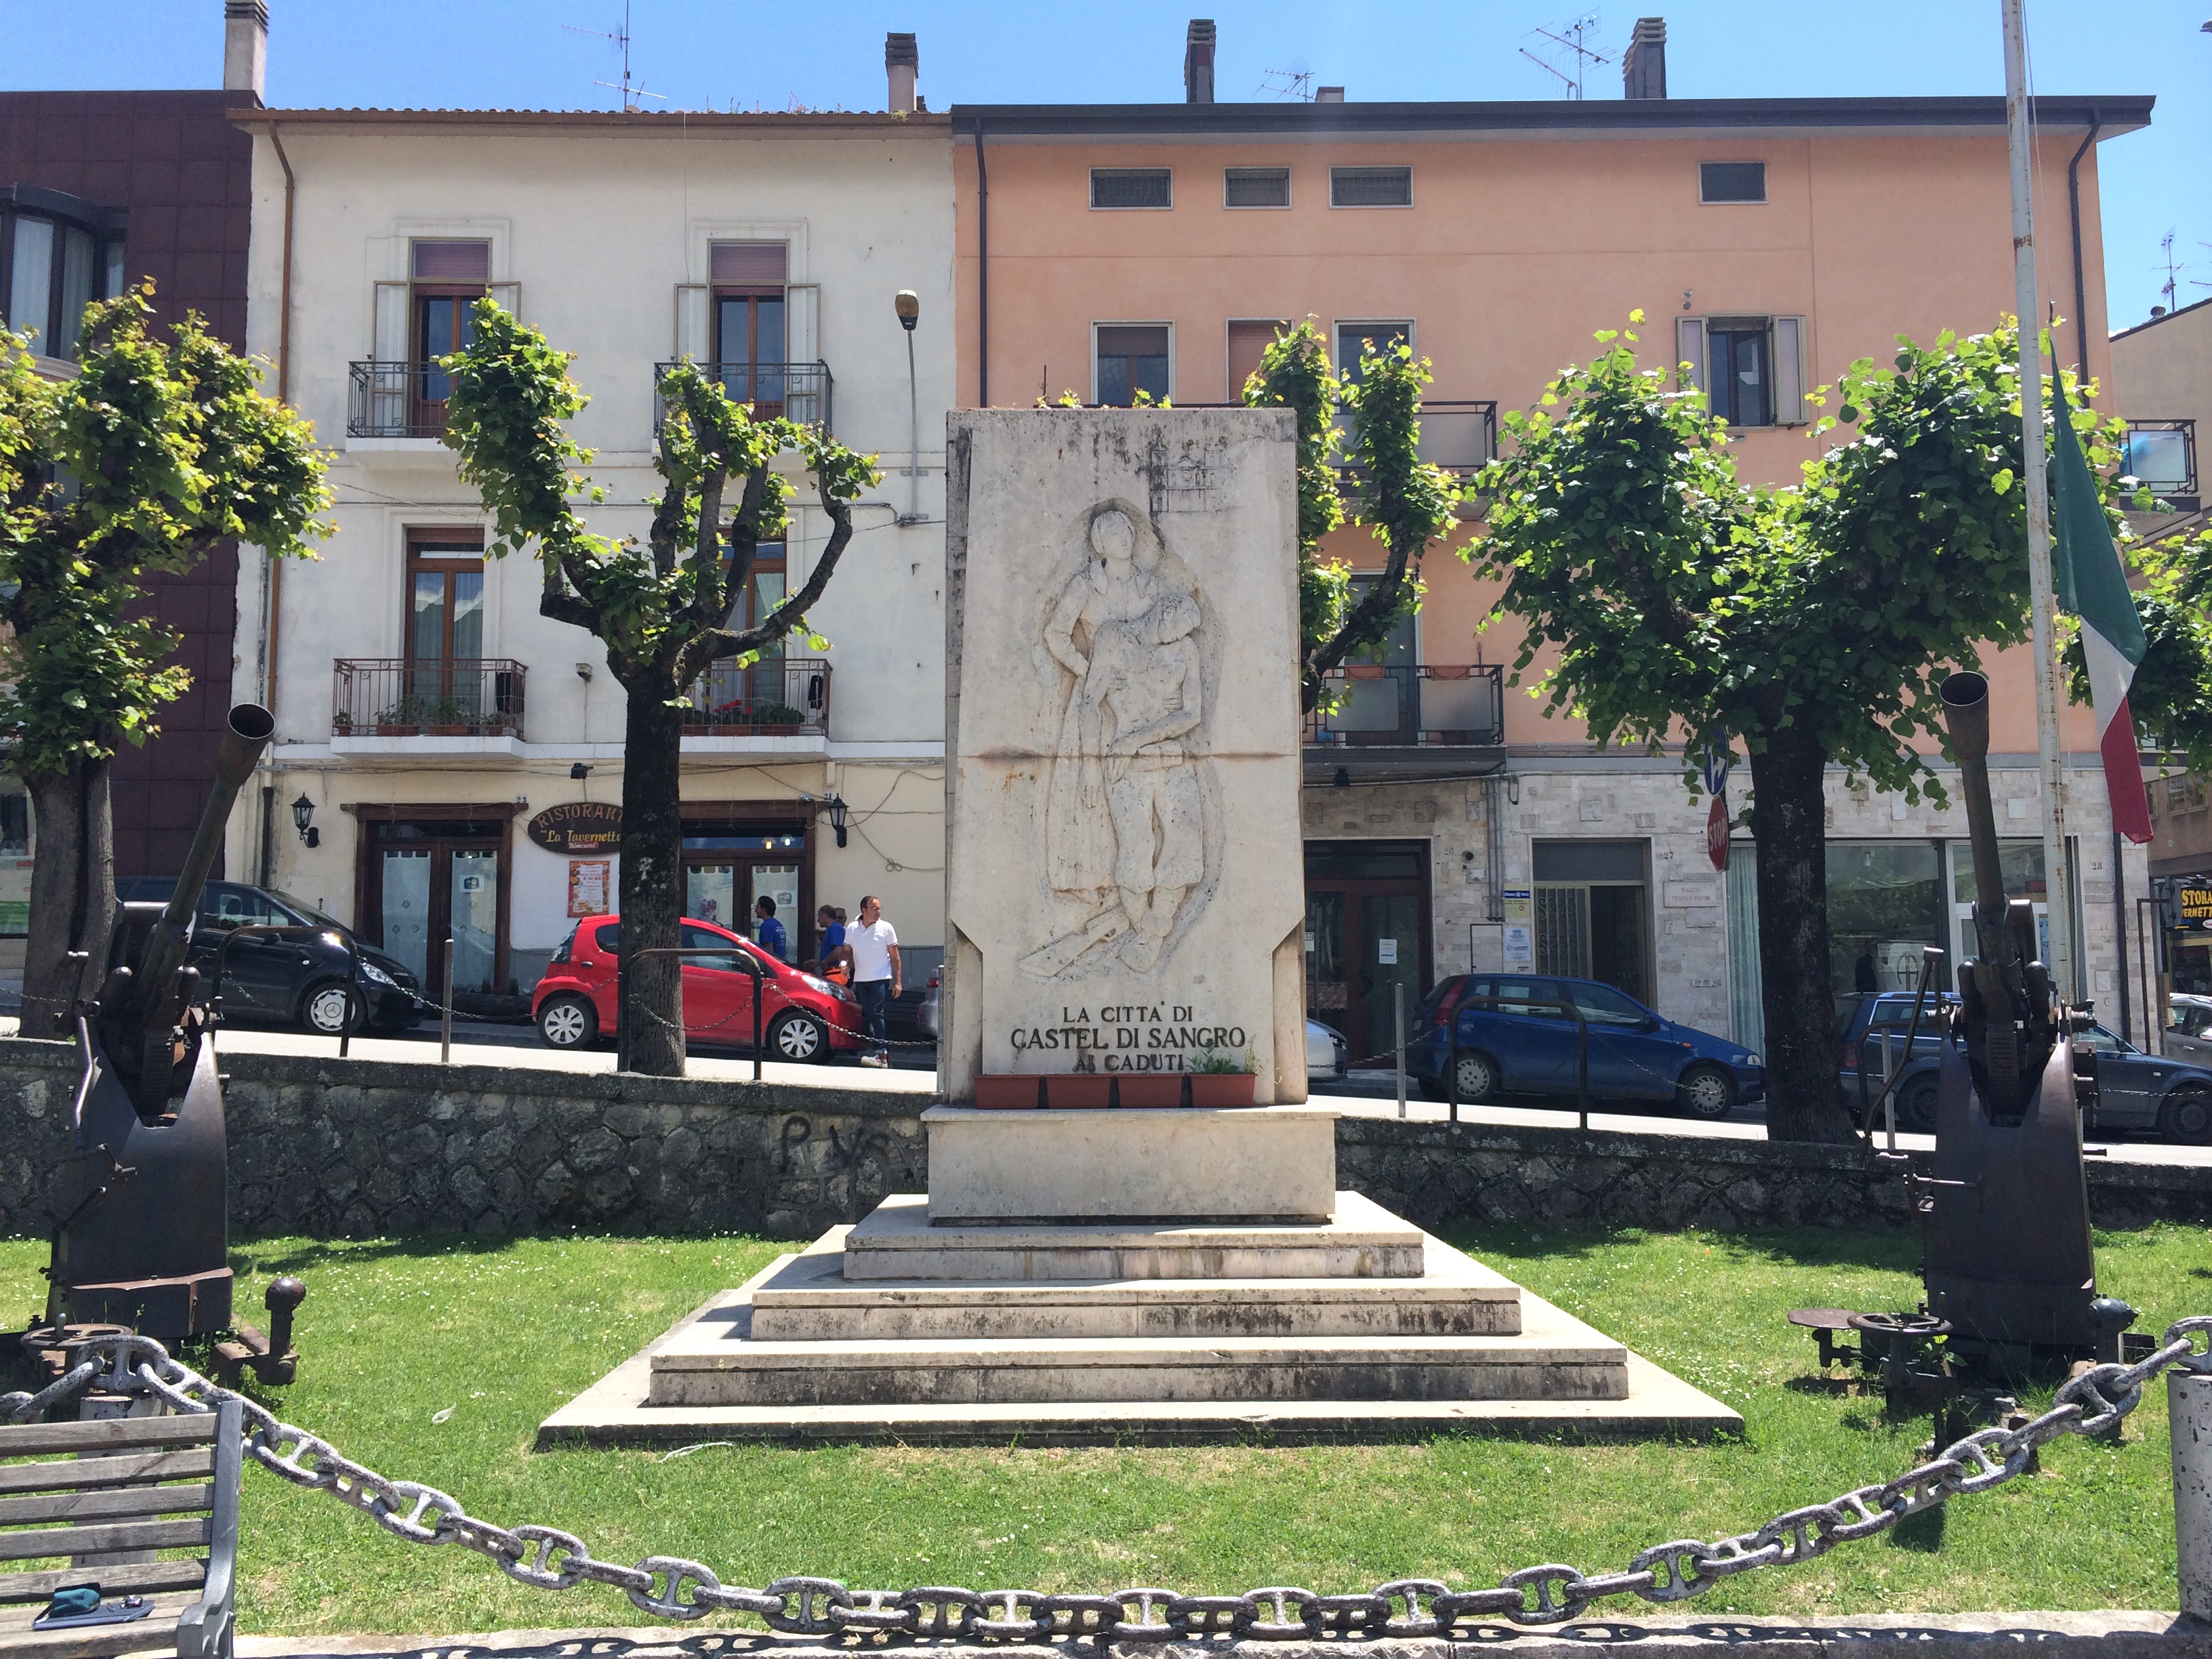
(1255, 187)
(1132, 357)
(1690, 348)
(1370, 187)
(1248, 344)
(1790, 407)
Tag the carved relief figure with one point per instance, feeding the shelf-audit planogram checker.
(1124, 823)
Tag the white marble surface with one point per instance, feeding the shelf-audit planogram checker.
(1124, 838)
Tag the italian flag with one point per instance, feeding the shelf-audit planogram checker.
(2092, 586)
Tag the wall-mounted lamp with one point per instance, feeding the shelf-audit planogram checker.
(303, 814)
(837, 816)
(1513, 789)
(579, 771)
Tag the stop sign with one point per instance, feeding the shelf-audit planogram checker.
(1716, 833)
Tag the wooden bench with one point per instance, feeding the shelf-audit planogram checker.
(117, 1490)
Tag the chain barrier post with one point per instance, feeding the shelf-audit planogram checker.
(2189, 1404)
(1452, 1087)
(1398, 1011)
(446, 1012)
(353, 996)
(753, 967)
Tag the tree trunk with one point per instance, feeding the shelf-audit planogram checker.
(72, 892)
(652, 885)
(1804, 1101)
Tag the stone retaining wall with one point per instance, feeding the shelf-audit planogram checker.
(358, 1147)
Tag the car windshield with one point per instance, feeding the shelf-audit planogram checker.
(2104, 1043)
(305, 912)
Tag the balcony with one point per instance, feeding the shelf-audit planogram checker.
(397, 400)
(391, 697)
(2161, 456)
(776, 697)
(797, 392)
(1417, 715)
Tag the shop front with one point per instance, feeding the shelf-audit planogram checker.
(431, 874)
(2189, 933)
(1368, 937)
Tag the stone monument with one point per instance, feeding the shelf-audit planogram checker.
(1133, 1224)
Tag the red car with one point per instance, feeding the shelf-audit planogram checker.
(804, 1018)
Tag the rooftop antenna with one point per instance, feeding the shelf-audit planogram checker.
(1570, 41)
(1288, 85)
(631, 91)
(2172, 290)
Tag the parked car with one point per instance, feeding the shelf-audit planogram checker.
(298, 975)
(1326, 1053)
(1517, 1037)
(2189, 1038)
(1861, 1019)
(929, 1012)
(803, 1017)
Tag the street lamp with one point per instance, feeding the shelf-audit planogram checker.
(909, 307)
(303, 813)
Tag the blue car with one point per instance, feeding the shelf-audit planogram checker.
(1516, 1036)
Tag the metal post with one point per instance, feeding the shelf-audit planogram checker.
(2189, 1411)
(446, 1012)
(914, 436)
(353, 997)
(1398, 999)
(2151, 1033)
(754, 966)
(1889, 1094)
(2120, 919)
(1581, 1060)
(2049, 698)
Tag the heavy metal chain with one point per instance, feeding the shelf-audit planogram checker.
(671, 1587)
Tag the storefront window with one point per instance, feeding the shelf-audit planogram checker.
(1885, 908)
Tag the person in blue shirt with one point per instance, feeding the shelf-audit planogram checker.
(768, 934)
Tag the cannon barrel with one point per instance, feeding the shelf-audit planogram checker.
(1966, 718)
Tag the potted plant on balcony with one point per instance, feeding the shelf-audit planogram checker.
(342, 724)
(500, 723)
(448, 717)
(730, 719)
(777, 720)
(403, 719)
(1219, 1079)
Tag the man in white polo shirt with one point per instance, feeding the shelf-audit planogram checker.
(875, 975)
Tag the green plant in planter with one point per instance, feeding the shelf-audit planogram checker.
(449, 711)
(1214, 1064)
(779, 714)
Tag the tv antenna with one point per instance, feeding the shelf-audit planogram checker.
(1570, 44)
(1288, 85)
(620, 37)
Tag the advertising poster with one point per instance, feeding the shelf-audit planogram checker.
(1520, 928)
(589, 880)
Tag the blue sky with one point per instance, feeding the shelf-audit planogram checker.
(828, 54)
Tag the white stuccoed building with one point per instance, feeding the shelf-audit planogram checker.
(427, 713)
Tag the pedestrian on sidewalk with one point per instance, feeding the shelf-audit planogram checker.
(836, 955)
(875, 976)
(768, 933)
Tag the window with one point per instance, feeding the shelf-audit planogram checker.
(751, 342)
(1132, 187)
(1732, 181)
(1752, 369)
(444, 626)
(1255, 187)
(15, 825)
(1353, 340)
(1248, 344)
(1603, 1005)
(1132, 357)
(446, 279)
(53, 264)
(1370, 187)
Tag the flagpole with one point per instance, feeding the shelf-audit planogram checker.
(2050, 699)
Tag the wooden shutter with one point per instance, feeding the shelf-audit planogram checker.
(1248, 344)
(1690, 348)
(746, 264)
(693, 337)
(1790, 409)
(452, 262)
(391, 344)
(802, 322)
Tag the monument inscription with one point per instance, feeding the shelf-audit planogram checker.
(1123, 736)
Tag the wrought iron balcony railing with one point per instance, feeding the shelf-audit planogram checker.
(777, 696)
(798, 392)
(2161, 456)
(443, 697)
(397, 400)
(1429, 704)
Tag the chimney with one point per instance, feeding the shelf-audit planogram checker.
(244, 46)
(902, 63)
(1328, 94)
(1197, 62)
(1643, 66)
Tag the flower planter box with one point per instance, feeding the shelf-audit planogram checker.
(461, 731)
(1078, 1089)
(747, 731)
(1006, 1089)
(398, 731)
(1149, 1088)
(1222, 1088)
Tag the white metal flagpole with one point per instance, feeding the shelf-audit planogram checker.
(2049, 698)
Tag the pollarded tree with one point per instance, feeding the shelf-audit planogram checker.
(1406, 502)
(151, 456)
(1811, 624)
(661, 607)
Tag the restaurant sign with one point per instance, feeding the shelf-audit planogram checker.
(579, 826)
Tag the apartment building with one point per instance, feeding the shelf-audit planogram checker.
(448, 762)
(1155, 249)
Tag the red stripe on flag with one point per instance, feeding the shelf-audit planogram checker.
(2124, 776)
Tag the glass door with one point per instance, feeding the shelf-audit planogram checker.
(445, 626)
(1390, 945)
(750, 349)
(710, 894)
(473, 887)
(429, 882)
(779, 881)
(442, 326)
(406, 904)
(1367, 930)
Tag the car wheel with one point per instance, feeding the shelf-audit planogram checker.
(323, 1010)
(567, 1021)
(1477, 1078)
(798, 1037)
(1916, 1107)
(2187, 1117)
(1706, 1091)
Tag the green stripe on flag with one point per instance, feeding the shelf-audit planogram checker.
(2085, 564)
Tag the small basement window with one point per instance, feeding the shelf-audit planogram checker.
(1132, 187)
(1370, 187)
(1732, 181)
(1255, 187)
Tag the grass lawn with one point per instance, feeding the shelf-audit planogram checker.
(433, 1360)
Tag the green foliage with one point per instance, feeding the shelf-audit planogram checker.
(2171, 696)
(154, 452)
(1675, 592)
(1405, 503)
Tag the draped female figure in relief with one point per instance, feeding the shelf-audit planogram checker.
(1124, 826)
